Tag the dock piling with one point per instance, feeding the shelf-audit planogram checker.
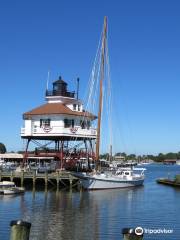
(132, 234)
(46, 181)
(20, 230)
(57, 179)
(70, 181)
(22, 178)
(34, 179)
(11, 177)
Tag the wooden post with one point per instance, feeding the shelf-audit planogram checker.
(132, 234)
(0, 175)
(22, 178)
(80, 187)
(70, 181)
(46, 180)
(61, 154)
(34, 180)
(33, 193)
(11, 177)
(26, 153)
(20, 230)
(57, 179)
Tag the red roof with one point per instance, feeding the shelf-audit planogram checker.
(56, 108)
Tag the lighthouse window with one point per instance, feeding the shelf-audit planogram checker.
(74, 107)
(88, 124)
(83, 124)
(68, 123)
(40, 122)
(45, 122)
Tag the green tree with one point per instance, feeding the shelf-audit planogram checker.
(131, 157)
(178, 155)
(2, 148)
(171, 155)
(161, 157)
(104, 156)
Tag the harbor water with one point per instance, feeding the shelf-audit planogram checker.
(102, 214)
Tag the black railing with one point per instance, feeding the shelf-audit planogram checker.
(60, 93)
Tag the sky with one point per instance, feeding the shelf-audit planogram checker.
(62, 36)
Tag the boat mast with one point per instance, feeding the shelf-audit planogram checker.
(101, 86)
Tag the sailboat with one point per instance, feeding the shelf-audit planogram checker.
(119, 178)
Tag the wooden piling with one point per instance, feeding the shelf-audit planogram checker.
(0, 175)
(34, 180)
(70, 182)
(46, 181)
(20, 230)
(132, 234)
(57, 179)
(11, 177)
(22, 178)
(65, 178)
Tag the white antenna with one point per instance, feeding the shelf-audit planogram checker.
(47, 84)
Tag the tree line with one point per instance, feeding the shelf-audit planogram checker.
(157, 158)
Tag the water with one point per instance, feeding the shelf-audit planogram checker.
(97, 214)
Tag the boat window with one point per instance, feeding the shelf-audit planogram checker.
(78, 107)
(126, 173)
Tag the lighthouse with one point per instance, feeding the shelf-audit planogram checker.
(61, 120)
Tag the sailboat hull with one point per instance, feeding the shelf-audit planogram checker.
(97, 183)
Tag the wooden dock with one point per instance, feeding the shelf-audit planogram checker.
(168, 182)
(57, 179)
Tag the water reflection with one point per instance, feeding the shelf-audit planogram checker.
(94, 215)
(77, 215)
(61, 215)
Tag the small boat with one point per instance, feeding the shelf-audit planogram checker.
(7, 187)
(178, 162)
(121, 178)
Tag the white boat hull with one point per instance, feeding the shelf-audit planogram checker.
(95, 182)
(13, 191)
(7, 187)
(101, 184)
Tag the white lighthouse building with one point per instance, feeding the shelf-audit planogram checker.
(61, 119)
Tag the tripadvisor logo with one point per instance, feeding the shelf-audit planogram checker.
(139, 231)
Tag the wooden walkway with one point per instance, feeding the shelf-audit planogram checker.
(63, 178)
